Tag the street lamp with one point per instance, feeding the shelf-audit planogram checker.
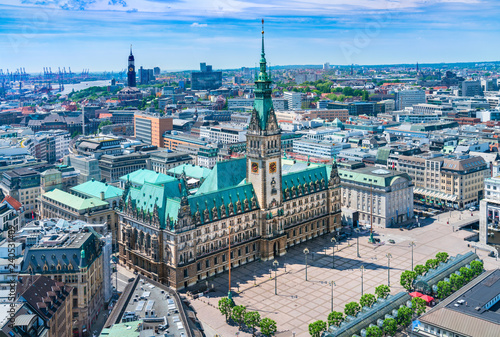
(357, 241)
(362, 269)
(306, 251)
(275, 264)
(389, 256)
(412, 244)
(334, 241)
(332, 283)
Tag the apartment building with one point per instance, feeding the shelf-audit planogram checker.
(453, 181)
(222, 134)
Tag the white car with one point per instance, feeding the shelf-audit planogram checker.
(472, 209)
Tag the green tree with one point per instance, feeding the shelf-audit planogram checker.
(268, 327)
(351, 309)
(418, 305)
(467, 273)
(442, 256)
(390, 326)
(456, 281)
(316, 328)
(382, 291)
(373, 331)
(225, 306)
(367, 300)
(238, 314)
(348, 91)
(432, 263)
(104, 123)
(443, 289)
(407, 278)
(477, 267)
(404, 316)
(335, 318)
(252, 320)
(420, 269)
(365, 95)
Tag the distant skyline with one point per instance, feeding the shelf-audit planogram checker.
(177, 35)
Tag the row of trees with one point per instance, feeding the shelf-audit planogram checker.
(409, 276)
(351, 309)
(457, 281)
(251, 319)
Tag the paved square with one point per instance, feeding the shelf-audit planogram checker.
(299, 303)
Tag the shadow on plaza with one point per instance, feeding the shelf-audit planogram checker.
(320, 256)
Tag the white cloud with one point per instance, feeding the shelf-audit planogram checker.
(198, 25)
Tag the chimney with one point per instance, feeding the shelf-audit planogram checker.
(102, 195)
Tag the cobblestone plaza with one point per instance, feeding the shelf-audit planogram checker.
(299, 303)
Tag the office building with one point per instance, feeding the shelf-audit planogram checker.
(24, 186)
(163, 160)
(294, 100)
(207, 156)
(489, 215)
(318, 148)
(9, 219)
(146, 76)
(454, 181)
(432, 109)
(471, 88)
(113, 167)
(222, 134)
(206, 78)
(150, 128)
(175, 141)
(408, 98)
(376, 196)
(262, 206)
(87, 166)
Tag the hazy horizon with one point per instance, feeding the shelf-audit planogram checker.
(177, 35)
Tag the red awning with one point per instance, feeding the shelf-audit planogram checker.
(416, 294)
(427, 298)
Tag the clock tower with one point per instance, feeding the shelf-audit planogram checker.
(131, 70)
(264, 142)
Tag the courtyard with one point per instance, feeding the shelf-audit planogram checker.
(299, 302)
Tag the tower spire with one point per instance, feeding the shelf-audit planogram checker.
(130, 49)
(263, 54)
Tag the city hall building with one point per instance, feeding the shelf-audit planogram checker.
(255, 207)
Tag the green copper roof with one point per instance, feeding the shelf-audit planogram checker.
(200, 202)
(129, 329)
(142, 176)
(372, 176)
(93, 188)
(192, 171)
(263, 103)
(224, 174)
(73, 201)
(308, 175)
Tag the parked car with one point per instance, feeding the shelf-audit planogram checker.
(131, 279)
(472, 209)
(391, 241)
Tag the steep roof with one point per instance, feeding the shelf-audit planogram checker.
(93, 188)
(13, 202)
(142, 176)
(73, 201)
(191, 170)
(223, 175)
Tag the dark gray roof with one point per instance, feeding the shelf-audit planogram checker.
(464, 319)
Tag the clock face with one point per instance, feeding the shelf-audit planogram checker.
(130, 69)
(272, 167)
(255, 168)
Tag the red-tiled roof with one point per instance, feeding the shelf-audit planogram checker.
(13, 202)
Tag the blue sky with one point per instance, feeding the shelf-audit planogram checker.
(179, 34)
